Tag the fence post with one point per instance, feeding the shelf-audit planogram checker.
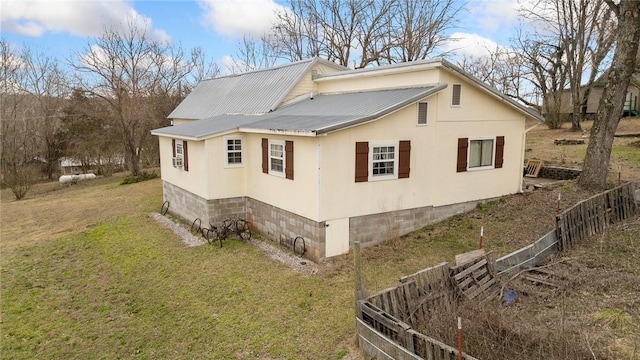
(359, 292)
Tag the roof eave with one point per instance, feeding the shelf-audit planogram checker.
(491, 90)
(384, 112)
(291, 132)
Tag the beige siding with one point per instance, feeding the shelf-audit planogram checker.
(370, 82)
(433, 179)
(306, 86)
(299, 195)
(194, 180)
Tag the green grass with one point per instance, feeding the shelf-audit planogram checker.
(129, 289)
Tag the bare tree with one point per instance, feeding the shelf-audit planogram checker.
(582, 31)
(543, 65)
(133, 74)
(596, 164)
(355, 33)
(17, 136)
(47, 85)
(419, 28)
(504, 70)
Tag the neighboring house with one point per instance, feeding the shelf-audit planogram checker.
(314, 150)
(631, 106)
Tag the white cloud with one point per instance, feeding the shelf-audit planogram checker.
(235, 18)
(470, 45)
(80, 18)
(492, 15)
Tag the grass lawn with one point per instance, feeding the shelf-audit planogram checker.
(128, 288)
(86, 273)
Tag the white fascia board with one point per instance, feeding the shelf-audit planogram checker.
(309, 133)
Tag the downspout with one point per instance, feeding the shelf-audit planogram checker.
(524, 148)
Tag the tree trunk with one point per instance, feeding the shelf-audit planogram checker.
(596, 162)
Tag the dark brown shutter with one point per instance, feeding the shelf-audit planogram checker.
(185, 156)
(265, 156)
(463, 145)
(288, 155)
(499, 151)
(404, 155)
(362, 161)
(173, 146)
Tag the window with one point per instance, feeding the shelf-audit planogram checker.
(456, 94)
(480, 153)
(180, 154)
(422, 113)
(277, 157)
(233, 151)
(381, 161)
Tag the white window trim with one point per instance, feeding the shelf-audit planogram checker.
(418, 114)
(493, 154)
(451, 101)
(226, 151)
(372, 145)
(284, 158)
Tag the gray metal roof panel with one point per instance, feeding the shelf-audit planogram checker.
(254, 92)
(330, 112)
(199, 129)
(323, 113)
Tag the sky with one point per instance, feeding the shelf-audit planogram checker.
(63, 28)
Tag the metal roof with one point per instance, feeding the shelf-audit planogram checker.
(321, 114)
(254, 92)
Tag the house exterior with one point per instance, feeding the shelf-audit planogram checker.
(318, 152)
(630, 108)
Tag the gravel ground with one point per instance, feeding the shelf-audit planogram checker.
(292, 261)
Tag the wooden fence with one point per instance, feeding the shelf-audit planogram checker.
(426, 290)
(384, 319)
(382, 336)
(529, 256)
(594, 214)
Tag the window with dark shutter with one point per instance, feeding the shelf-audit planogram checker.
(362, 161)
(463, 146)
(404, 159)
(288, 168)
(265, 155)
(456, 94)
(185, 155)
(499, 151)
(422, 113)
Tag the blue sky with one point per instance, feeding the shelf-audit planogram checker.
(62, 28)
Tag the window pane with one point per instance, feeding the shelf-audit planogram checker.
(480, 153)
(383, 160)
(487, 152)
(178, 149)
(234, 158)
(475, 152)
(276, 164)
(276, 150)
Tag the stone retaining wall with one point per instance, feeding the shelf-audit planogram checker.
(558, 173)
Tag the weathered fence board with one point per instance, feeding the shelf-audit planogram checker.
(594, 214)
(529, 256)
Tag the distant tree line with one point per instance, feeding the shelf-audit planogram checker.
(97, 109)
(101, 104)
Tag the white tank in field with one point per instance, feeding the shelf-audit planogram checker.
(75, 178)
